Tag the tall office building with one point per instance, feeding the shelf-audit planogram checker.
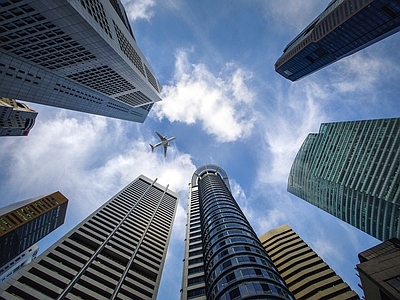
(352, 171)
(18, 262)
(379, 271)
(224, 258)
(75, 54)
(24, 223)
(306, 275)
(16, 118)
(118, 252)
(343, 28)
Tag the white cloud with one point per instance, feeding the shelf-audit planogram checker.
(294, 14)
(360, 72)
(139, 9)
(223, 105)
(285, 127)
(85, 162)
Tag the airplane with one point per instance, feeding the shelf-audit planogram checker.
(164, 141)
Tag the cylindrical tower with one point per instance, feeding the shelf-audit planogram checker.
(235, 264)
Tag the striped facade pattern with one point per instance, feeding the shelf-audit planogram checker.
(118, 252)
(352, 171)
(77, 54)
(306, 275)
(223, 256)
(343, 28)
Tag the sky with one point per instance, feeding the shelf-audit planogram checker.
(226, 105)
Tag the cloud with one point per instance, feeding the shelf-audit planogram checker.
(360, 72)
(85, 162)
(221, 103)
(286, 124)
(299, 13)
(139, 9)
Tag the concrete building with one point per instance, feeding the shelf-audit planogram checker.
(352, 171)
(18, 262)
(343, 28)
(223, 257)
(379, 271)
(306, 275)
(78, 55)
(24, 223)
(118, 252)
(16, 118)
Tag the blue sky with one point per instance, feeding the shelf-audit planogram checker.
(226, 105)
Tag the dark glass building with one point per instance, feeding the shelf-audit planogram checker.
(343, 28)
(224, 258)
(118, 252)
(352, 171)
(24, 223)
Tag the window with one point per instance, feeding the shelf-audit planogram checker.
(394, 283)
(234, 293)
(230, 277)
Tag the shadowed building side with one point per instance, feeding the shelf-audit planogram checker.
(379, 271)
(306, 275)
(118, 252)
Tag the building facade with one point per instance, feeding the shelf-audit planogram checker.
(24, 223)
(352, 171)
(118, 252)
(18, 262)
(223, 257)
(379, 271)
(77, 54)
(343, 28)
(306, 275)
(16, 118)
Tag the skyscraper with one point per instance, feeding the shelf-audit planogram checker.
(352, 171)
(16, 118)
(379, 271)
(24, 223)
(79, 55)
(118, 252)
(343, 28)
(306, 275)
(18, 262)
(224, 259)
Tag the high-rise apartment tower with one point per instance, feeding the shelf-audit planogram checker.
(24, 223)
(76, 54)
(343, 28)
(306, 275)
(352, 171)
(224, 258)
(118, 252)
(16, 118)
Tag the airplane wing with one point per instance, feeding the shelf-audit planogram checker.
(165, 150)
(160, 136)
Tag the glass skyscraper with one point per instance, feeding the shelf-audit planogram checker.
(224, 258)
(343, 28)
(78, 55)
(118, 252)
(352, 171)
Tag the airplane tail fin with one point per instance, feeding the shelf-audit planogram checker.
(152, 147)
